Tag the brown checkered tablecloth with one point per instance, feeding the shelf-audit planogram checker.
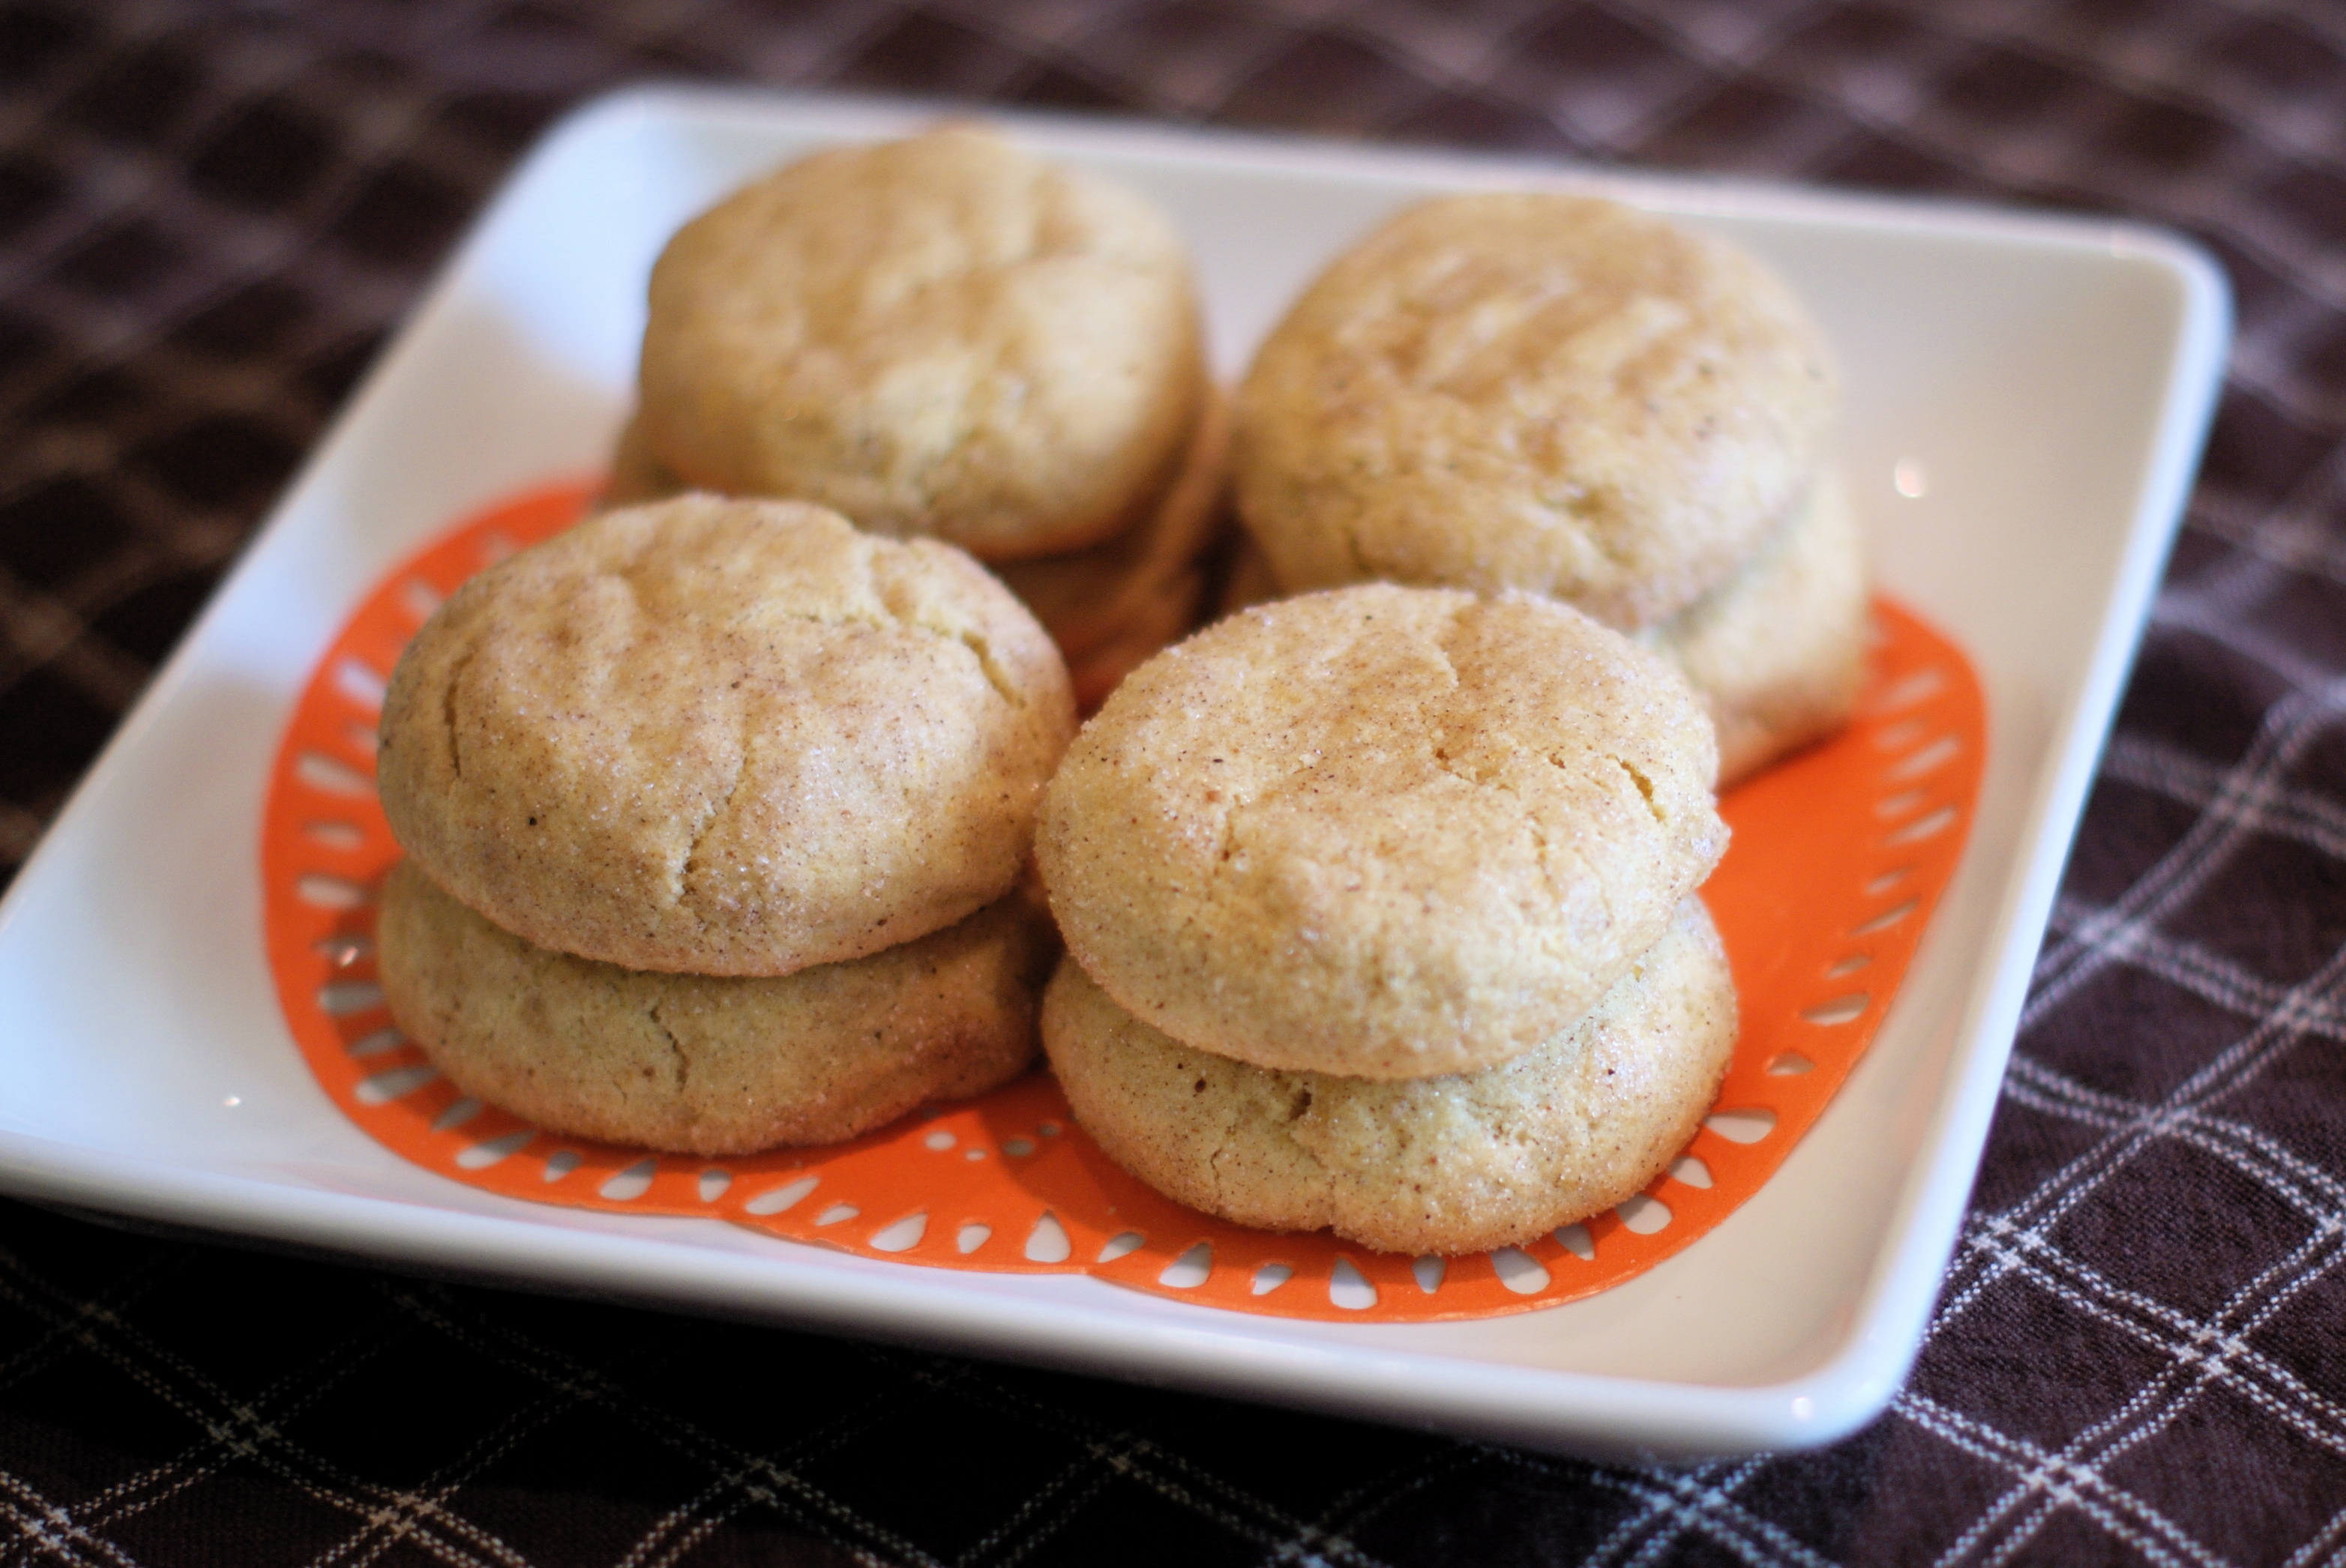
(211, 214)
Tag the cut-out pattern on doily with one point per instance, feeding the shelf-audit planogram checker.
(1838, 856)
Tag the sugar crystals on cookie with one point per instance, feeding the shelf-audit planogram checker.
(716, 813)
(1382, 832)
(946, 336)
(724, 738)
(1380, 915)
(1565, 395)
(941, 335)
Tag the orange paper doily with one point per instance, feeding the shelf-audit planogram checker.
(1838, 859)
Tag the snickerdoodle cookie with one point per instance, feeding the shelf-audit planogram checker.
(703, 1065)
(1459, 1163)
(724, 738)
(1380, 831)
(943, 335)
(1541, 392)
(1778, 650)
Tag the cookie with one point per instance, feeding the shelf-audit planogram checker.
(1461, 1163)
(1540, 391)
(1112, 605)
(940, 336)
(703, 1065)
(1778, 651)
(1382, 831)
(723, 737)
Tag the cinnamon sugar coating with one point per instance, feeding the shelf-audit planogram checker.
(728, 737)
(1380, 831)
(1533, 391)
(943, 335)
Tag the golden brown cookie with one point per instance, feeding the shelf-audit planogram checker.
(1540, 391)
(1461, 1163)
(1778, 651)
(1380, 831)
(704, 1066)
(724, 738)
(943, 336)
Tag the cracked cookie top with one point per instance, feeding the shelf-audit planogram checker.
(722, 737)
(1539, 391)
(1380, 831)
(943, 335)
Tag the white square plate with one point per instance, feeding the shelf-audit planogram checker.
(2044, 382)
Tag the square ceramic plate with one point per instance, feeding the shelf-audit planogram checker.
(2028, 397)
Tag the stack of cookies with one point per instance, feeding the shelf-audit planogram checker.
(716, 814)
(1564, 396)
(946, 337)
(1379, 910)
